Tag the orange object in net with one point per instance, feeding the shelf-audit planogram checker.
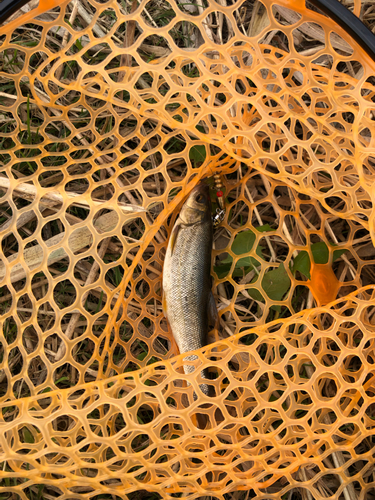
(324, 284)
(111, 113)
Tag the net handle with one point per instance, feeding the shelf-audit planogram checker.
(9, 7)
(348, 22)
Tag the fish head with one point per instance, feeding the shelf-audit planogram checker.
(197, 208)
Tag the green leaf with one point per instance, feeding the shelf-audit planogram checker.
(276, 283)
(62, 379)
(141, 356)
(276, 307)
(27, 436)
(198, 153)
(255, 294)
(321, 256)
(247, 262)
(201, 129)
(259, 251)
(337, 253)
(78, 44)
(243, 243)
(320, 252)
(222, 270)
(302, 264)
(264, 228)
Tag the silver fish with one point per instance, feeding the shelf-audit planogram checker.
(187, 298)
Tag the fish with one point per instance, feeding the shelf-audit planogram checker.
(188, 302)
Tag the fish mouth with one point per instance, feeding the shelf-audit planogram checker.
(202, 188)
(198, 201)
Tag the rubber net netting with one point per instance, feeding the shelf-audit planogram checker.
(110, 113)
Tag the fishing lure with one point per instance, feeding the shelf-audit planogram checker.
(220, 211)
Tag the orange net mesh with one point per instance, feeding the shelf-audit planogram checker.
(110, 113)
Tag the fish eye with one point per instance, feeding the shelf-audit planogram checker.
(199, 198)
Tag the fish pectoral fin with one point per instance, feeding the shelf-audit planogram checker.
(213, 317)
(173, 238)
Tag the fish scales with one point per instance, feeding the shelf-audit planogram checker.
(190, 287)
(186, 276)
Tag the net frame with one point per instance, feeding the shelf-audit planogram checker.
(212, 466)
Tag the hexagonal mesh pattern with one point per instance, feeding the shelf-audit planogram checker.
(110, 113)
